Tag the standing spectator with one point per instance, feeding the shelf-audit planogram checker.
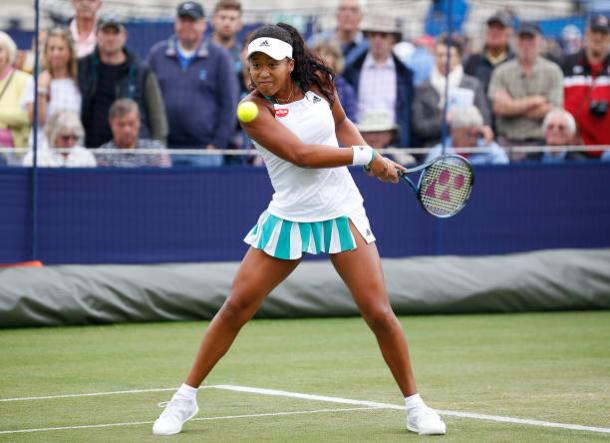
(463, 90)
(333, 57)
(382, 82)
(559, 130)
(347, 34)
(523, 91)
(124, 119)
(112, 72)
(496, 50)
(421, 59)
(587, 85)
(227, 23)
(64, 131)
(14, 122)
(199, 87)
(83, 26)
(57, 84)
(467, 132)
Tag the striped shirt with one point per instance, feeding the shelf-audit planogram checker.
(131, 159)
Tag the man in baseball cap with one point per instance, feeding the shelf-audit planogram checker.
(496, 50)
(190, 9)
(199, 87)
(587, 84)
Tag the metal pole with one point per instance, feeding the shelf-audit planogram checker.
(34, 251)
(440, 228)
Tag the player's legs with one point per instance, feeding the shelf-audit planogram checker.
(361, 271)
(256, 277)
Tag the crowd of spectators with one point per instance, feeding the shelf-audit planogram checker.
(94, 92)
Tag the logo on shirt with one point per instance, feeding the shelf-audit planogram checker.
(264, 43)
(316, 99)
(281, 112)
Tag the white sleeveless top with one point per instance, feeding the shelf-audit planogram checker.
(307, 194)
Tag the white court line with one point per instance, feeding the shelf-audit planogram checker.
(226, 417)
(278, 393)
(498, 418)
(92, 394)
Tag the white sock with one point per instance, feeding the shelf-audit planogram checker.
(414, 401)
(187, 391)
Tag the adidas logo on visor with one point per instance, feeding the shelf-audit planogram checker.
(264, 43)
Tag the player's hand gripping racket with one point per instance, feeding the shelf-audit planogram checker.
(444, 184)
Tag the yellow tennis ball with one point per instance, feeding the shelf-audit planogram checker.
(247, 111)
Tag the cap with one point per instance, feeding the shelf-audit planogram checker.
(383, 23)
(273, 47)
(599, 23)
(504, 18)
(376, 121)
(190, 9)
(110, 19)
(529, 28)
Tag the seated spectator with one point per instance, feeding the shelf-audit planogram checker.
(14, 122)
(64, 131)
(467, 132)
(559, 130)
(124, 119)
(379, 131)
(111, 72)
(523, 91)
(463, 90)
(57, 86)
(332, 56)
(381, 81)
(347, 33)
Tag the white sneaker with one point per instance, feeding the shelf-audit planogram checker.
(425, 421)
(178, 411)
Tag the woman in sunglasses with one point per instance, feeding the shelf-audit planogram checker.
(64, 135)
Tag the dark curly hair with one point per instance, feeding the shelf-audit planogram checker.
(309, 69)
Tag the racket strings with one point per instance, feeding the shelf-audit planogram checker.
(445, 186)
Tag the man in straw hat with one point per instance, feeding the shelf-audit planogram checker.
(382, 82)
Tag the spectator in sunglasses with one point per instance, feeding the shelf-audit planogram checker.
(62, 146)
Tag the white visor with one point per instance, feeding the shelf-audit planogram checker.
(274, 48)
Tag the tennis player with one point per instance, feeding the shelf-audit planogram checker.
(316, 208)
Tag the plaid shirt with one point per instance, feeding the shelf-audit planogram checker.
(131, 159)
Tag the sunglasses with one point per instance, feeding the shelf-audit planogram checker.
(378, 34)
(558, 127)
(68, 137)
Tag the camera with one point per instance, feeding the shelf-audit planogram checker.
(598, 108)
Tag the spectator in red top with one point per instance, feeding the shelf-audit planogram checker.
(587, 85)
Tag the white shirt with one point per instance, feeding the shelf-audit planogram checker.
(84, 46)
(78, 157)
(377, 87)
(309, 194)
(64, 96)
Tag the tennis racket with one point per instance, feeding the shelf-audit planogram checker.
(444, 184)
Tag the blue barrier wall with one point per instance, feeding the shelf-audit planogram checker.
(182, 215)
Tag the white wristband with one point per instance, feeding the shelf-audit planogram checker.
(363, 155)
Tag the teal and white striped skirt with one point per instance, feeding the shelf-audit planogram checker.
(288, 240)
